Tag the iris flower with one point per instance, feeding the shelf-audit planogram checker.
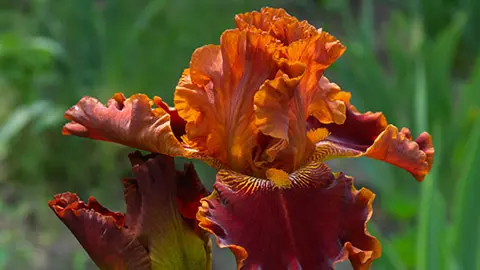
(259, 109)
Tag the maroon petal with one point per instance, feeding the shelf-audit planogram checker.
(184, 188)
(101, 233)
(159, 230)
(156, 217)
(359, 131)
(314, 222)
(189, 193)
(176, 122)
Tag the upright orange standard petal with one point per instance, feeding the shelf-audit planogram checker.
(215, 96)
(282, 142)
(316, 49)
(320, 98)
(271, 103)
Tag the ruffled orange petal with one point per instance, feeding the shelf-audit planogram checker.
(277, 23)
(131, 122)
(314, 94)
(271, 106)
(310, 219)
(321, 99)
(316, 49)
(327, 102)
(369, 135)
(215, 96)
(276, 119)
(318, 52)
(396, 147)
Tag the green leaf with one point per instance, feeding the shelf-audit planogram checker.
(18, 120)
(390, 259)
(465, 208)
(431, 219)
(439, 56)
(401, 206)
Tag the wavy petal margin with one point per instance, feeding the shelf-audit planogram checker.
(277, 23)
(158, 231)
(316, 49)
(102, 233)
(370, 135)
(131, 122)
(311, 222)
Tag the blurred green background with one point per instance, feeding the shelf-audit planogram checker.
(416, 61)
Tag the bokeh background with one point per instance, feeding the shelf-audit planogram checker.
(416, 61)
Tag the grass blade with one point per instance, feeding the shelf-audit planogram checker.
(465, 212)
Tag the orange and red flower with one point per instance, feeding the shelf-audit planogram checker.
(259, 109)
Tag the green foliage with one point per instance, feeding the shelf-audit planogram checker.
(416, 61)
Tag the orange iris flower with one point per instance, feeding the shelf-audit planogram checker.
(259, 109)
